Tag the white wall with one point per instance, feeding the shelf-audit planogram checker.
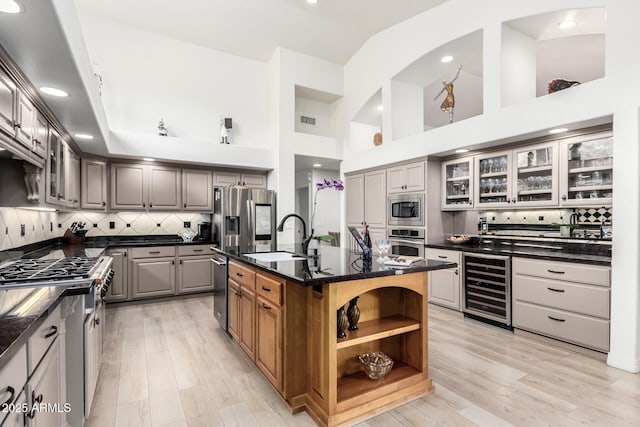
(518, 66)
(321, 111)
(148, 76)
(327, 200)
(407, 105)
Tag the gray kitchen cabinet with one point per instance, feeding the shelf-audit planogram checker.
(72, 181)
(195, 274)
(153, 277)
(128, 186)
(13, 375)
(254, 180)
(56, 169)
(25, 120)
(17, 418)
(375, 199)
(197, 190)
(40, 135)
(94, 184)
(354, 188)
(224, 179)
(119, 289)
(164, 188)
(8, 93)
(445, 285)
(406, 178)
(46, 386)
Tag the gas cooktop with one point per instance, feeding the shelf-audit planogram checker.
(27, 271)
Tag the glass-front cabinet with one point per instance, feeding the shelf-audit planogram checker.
(56, 169)
(493, 184)
(457, 191)
(587, 171)
(535, 178)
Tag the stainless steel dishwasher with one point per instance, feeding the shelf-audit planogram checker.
(220, 296)
(487, 288)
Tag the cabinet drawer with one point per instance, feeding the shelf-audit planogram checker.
(575, 328)
(153, 252)
(443, 255)
(42, 338)
(13, 376)
(571, 272)
(195, 250)
(575, 297)
(269, 288)
(244, 276)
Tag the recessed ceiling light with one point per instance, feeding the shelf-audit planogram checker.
(317, 165)
(567, 24)
(446, 59)
(149, 159)
(380, 108)
(312, 1)
(558, 130)
(9, 6)
(1, 149)
(53, 91)
(83, 136)
(462, 150)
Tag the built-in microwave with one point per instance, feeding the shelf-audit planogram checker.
(406, 210)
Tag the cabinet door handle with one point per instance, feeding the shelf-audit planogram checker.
(34, 399)
(97, 321)
(12, 394)
(104, 204)
(442, 256)
(556, 290)
(555, 271)
(184, 206)
(154, 252)
(54, 330)
(180, 262)
(508, 201)
(266, 307)
(239, 274)
(197, 250)
(150, 205)
(513, 200)
(556, 319)
(564, 197)
(144, 205)
(266, 289)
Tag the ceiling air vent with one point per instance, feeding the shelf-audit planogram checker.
(307, 120)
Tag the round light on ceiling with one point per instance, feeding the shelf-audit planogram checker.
(380, 108)
(312, 1)
(83, 136)
(9, 6)
(558, 130)
(567, 24)
(53, 91)
(462, 150)
(317, 165)
(148, 159)
(446, 59)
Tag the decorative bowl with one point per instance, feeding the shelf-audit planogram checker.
(377, 365)
(187, 235)
(459, 240)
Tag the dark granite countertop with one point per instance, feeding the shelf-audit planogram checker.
(552, 251)
(332, 265)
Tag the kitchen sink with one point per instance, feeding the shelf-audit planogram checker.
(274, 256)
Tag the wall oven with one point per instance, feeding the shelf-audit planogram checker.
(407, 242)
(406, 210)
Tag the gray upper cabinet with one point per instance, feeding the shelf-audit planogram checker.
(253, 180)
(375, 199)
(25, 121)
(197, 190)
(406, 178)
(224, 179)
(128, 186)
(94, 184)
(354, 187)
(56, 169)
(72, 182)
(164, 188)
(7, 104)
(41, 132)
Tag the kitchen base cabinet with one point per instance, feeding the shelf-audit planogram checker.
(268, 341)
(233, 308)
(247, 337)
(13, 376)
(445, 285)
(153, 277)
(46, 387)
(17, 418)
(119, 289)
(194, 274)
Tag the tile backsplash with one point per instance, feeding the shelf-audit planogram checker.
(131, 223)
(38, 226)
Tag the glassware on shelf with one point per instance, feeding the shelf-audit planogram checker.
(596, 178)
(383, 246)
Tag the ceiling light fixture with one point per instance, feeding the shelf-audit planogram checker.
(317, 165)
(380, 108)
(446, 59)
(558, 130)
(312, 1)
(462, 150)
(83, 136)
(149, 159)
(53, 91)
(567, 24)
(9, 6)
(2, 149)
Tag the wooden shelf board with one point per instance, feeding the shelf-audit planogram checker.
(541, 191)
(591, 169)
(493, 174)
(591, 187)
(533, 169)
(356, 385)
(376, 329)
(458, 178)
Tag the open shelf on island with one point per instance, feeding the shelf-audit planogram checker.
(376, 329)
(358, 384)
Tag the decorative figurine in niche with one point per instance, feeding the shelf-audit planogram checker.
(225, 127)
(449, 101)
(559, 84)
(162, 131)
(353, 314)
(342, 322)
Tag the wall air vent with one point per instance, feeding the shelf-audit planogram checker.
(307, 120)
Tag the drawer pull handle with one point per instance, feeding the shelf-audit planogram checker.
(198, 250)
(556, 290)
(556, 319)
(154, 252)
(442, 256)
(239, 274)
(12, 394)
(555, 271)
(266, 307)
(54, 330)
(266, 289)
(34, 399)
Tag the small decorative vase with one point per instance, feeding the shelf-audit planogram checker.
(343, 322)
(353, 313)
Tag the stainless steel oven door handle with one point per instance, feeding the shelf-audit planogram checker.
(407, 242)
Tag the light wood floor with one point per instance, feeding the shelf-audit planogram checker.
(169, 364)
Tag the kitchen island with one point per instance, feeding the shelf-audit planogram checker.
(284, 315)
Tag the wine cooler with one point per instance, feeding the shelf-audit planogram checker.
(487, 288)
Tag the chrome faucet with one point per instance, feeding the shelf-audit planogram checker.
(305, 239)
(573, 221)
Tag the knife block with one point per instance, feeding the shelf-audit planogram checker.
(73, 238)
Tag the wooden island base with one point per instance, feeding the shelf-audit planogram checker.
(296, 344)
